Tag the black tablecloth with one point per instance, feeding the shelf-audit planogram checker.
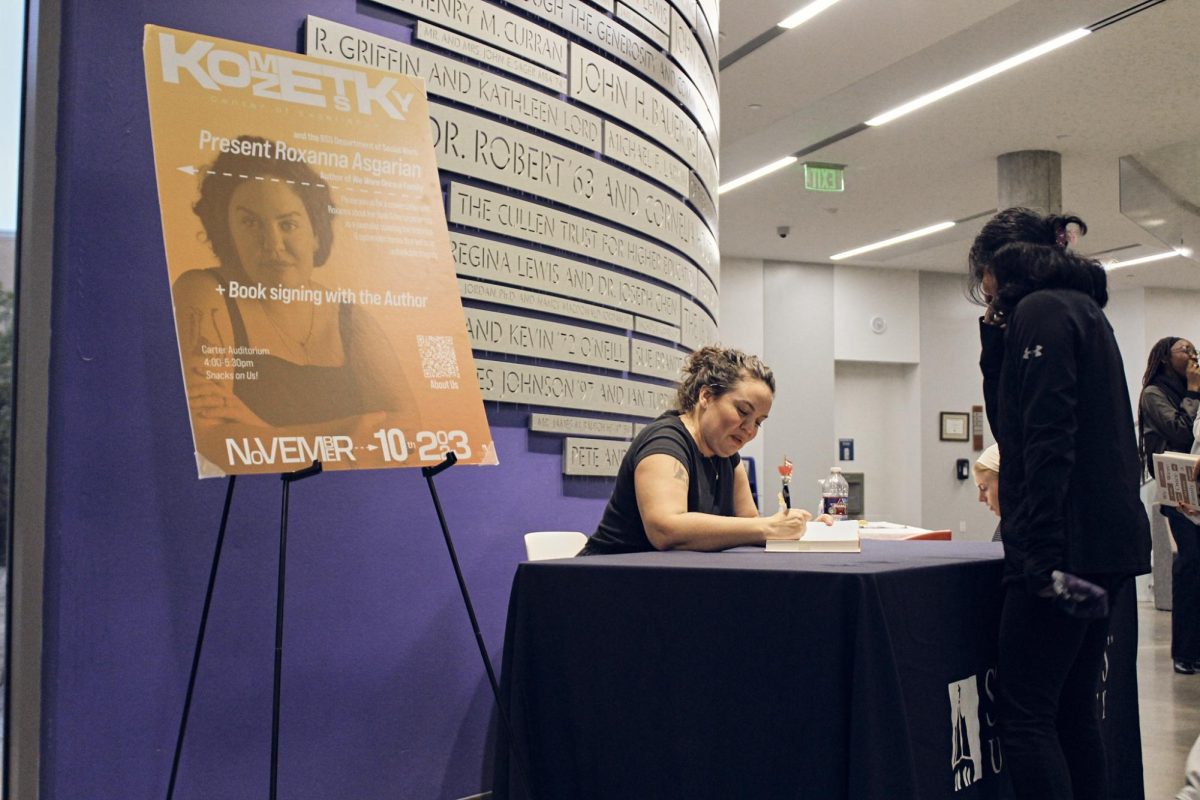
(758, 675)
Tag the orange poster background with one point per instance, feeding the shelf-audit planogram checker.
(389, 250)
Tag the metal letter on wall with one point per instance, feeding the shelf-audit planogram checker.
(495, 332)
(503, 214)
(494, 25)
(615, 90)
(520, 298)
(543, 271)
(454, 80)
(509, 382)
(656, 329)
(471, 48)
(645, 27)
(580, 426)
(592, 456)
(472, 145)
(581, 188)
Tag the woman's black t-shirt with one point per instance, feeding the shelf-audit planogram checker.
(710, 486)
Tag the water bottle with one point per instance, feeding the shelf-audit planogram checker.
(835, 494)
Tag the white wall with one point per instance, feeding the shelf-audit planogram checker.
(798, 344)
(950, 381)
(1169, 312)
(836, 379)
(890, 296)
(1126, 312)
(876, 406)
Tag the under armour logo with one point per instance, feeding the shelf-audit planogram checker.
(1035, 352)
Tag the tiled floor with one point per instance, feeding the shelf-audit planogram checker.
(1170, 706)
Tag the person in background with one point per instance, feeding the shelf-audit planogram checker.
(681, 484)
(1191, 789)
(987, 480)
(1075, 530)
(1166, 417)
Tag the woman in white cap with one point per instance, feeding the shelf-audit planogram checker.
(987, 480)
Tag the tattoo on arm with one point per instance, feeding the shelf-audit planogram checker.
(680, 473)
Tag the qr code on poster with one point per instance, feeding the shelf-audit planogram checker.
(438, 359)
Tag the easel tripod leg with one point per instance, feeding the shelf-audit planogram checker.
(212, 580)
(519, 764)
(288, 480)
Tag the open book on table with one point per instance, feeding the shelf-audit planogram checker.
(840, 537)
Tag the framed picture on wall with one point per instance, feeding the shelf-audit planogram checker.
(955, 427)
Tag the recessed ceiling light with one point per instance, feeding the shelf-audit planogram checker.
(904, 237)
(786, 161)
(1147, 259)
(754, 106)
(976, 77)
(806, 13)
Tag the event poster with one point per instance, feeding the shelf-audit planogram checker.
(316, 305)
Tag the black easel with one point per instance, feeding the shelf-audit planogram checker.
(518, 762)
(288, 480)
(212, 580)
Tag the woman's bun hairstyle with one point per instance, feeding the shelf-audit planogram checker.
(1027, 251)
(718, 369)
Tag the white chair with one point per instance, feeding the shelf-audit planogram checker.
(541, 545)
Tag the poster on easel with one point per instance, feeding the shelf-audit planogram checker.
(316, 306)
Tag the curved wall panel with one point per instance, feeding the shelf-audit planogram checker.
(577, 141)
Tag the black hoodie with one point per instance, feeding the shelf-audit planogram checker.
(1059, 406)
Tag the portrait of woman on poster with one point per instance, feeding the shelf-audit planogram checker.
(304, 358)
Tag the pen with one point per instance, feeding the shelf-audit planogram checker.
(785, 474)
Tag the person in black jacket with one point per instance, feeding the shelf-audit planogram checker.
(1166, 415)
(1057, 401)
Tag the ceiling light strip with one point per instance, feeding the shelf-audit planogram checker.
(976, 77)
(805, 14)
(811, 10)
(774, 166)
(1144, 259)
(904, 237)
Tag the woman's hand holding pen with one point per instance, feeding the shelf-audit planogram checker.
(790, 523)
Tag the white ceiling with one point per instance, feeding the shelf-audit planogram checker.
(1132, 87)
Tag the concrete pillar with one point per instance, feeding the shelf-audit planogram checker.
(1030, 178)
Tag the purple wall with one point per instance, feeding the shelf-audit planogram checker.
(384, 695)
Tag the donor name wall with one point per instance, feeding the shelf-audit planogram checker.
(576, 142)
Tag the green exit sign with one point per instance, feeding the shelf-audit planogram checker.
(824, 177)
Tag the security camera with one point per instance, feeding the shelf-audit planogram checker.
(783, 231)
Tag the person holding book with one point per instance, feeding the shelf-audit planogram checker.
(681, 484)
(1166, 418)
(1074, 528)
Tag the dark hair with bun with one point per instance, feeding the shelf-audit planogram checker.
(718, 369)
(1026, 251)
